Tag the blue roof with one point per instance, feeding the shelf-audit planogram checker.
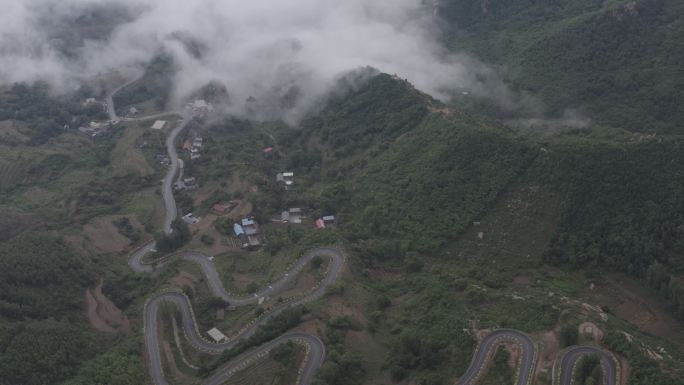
(238, 229)
(247, 222)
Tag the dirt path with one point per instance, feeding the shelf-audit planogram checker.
(95, 320)
(102, 314)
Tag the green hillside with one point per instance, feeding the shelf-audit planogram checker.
(619, 61)
(409, 187)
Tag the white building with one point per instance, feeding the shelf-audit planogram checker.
(159, 125)
(216, 335)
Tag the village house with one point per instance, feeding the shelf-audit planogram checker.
(329, 220)
(241, 236)
(250, 226)
(190, 219)
(247, 233)
(325, 221)
(293, 215)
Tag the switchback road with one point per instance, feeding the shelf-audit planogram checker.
(563, 370)
(315, 348)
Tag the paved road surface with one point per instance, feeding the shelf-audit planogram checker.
(316, 349)
(527, 360)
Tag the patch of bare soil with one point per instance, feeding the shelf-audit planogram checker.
(206, 226)
(633, 302)
(624, 370)
(10, 132)
(170, 360)
(314, 327)
(514, 354)
(589, 329)
(14, 222)
(523, 280)
(102, 314)
(102, 236)
(184, 279)
(95, 320)
(243, 209)
(549, 348)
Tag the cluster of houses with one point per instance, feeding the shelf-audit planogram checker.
(194, 146)
(247, 232)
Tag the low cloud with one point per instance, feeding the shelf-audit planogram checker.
(261, 49)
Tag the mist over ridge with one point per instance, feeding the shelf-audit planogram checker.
(262, 50)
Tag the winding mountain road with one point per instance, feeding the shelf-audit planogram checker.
(315, 347)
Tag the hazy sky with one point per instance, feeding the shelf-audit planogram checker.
(258, 48)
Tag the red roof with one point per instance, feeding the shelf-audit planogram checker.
(320, 224)
(268, 149)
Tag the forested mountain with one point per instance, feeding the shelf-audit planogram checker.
(412, 175)
(43, 337)
(618, 61)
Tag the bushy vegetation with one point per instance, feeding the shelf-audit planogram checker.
(621, 209)
(42, 334)
(120, 365)
(179, 236)
(41, 352)
(154, 86)
(642, 370)
(40, 278)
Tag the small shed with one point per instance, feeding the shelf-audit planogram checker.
(190, 219)
(319, 223)
(216, 335)
(159, 125)
(238, 230)
(329, 219)
(285, 217)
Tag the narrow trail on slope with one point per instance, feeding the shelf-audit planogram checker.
(563, 369)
